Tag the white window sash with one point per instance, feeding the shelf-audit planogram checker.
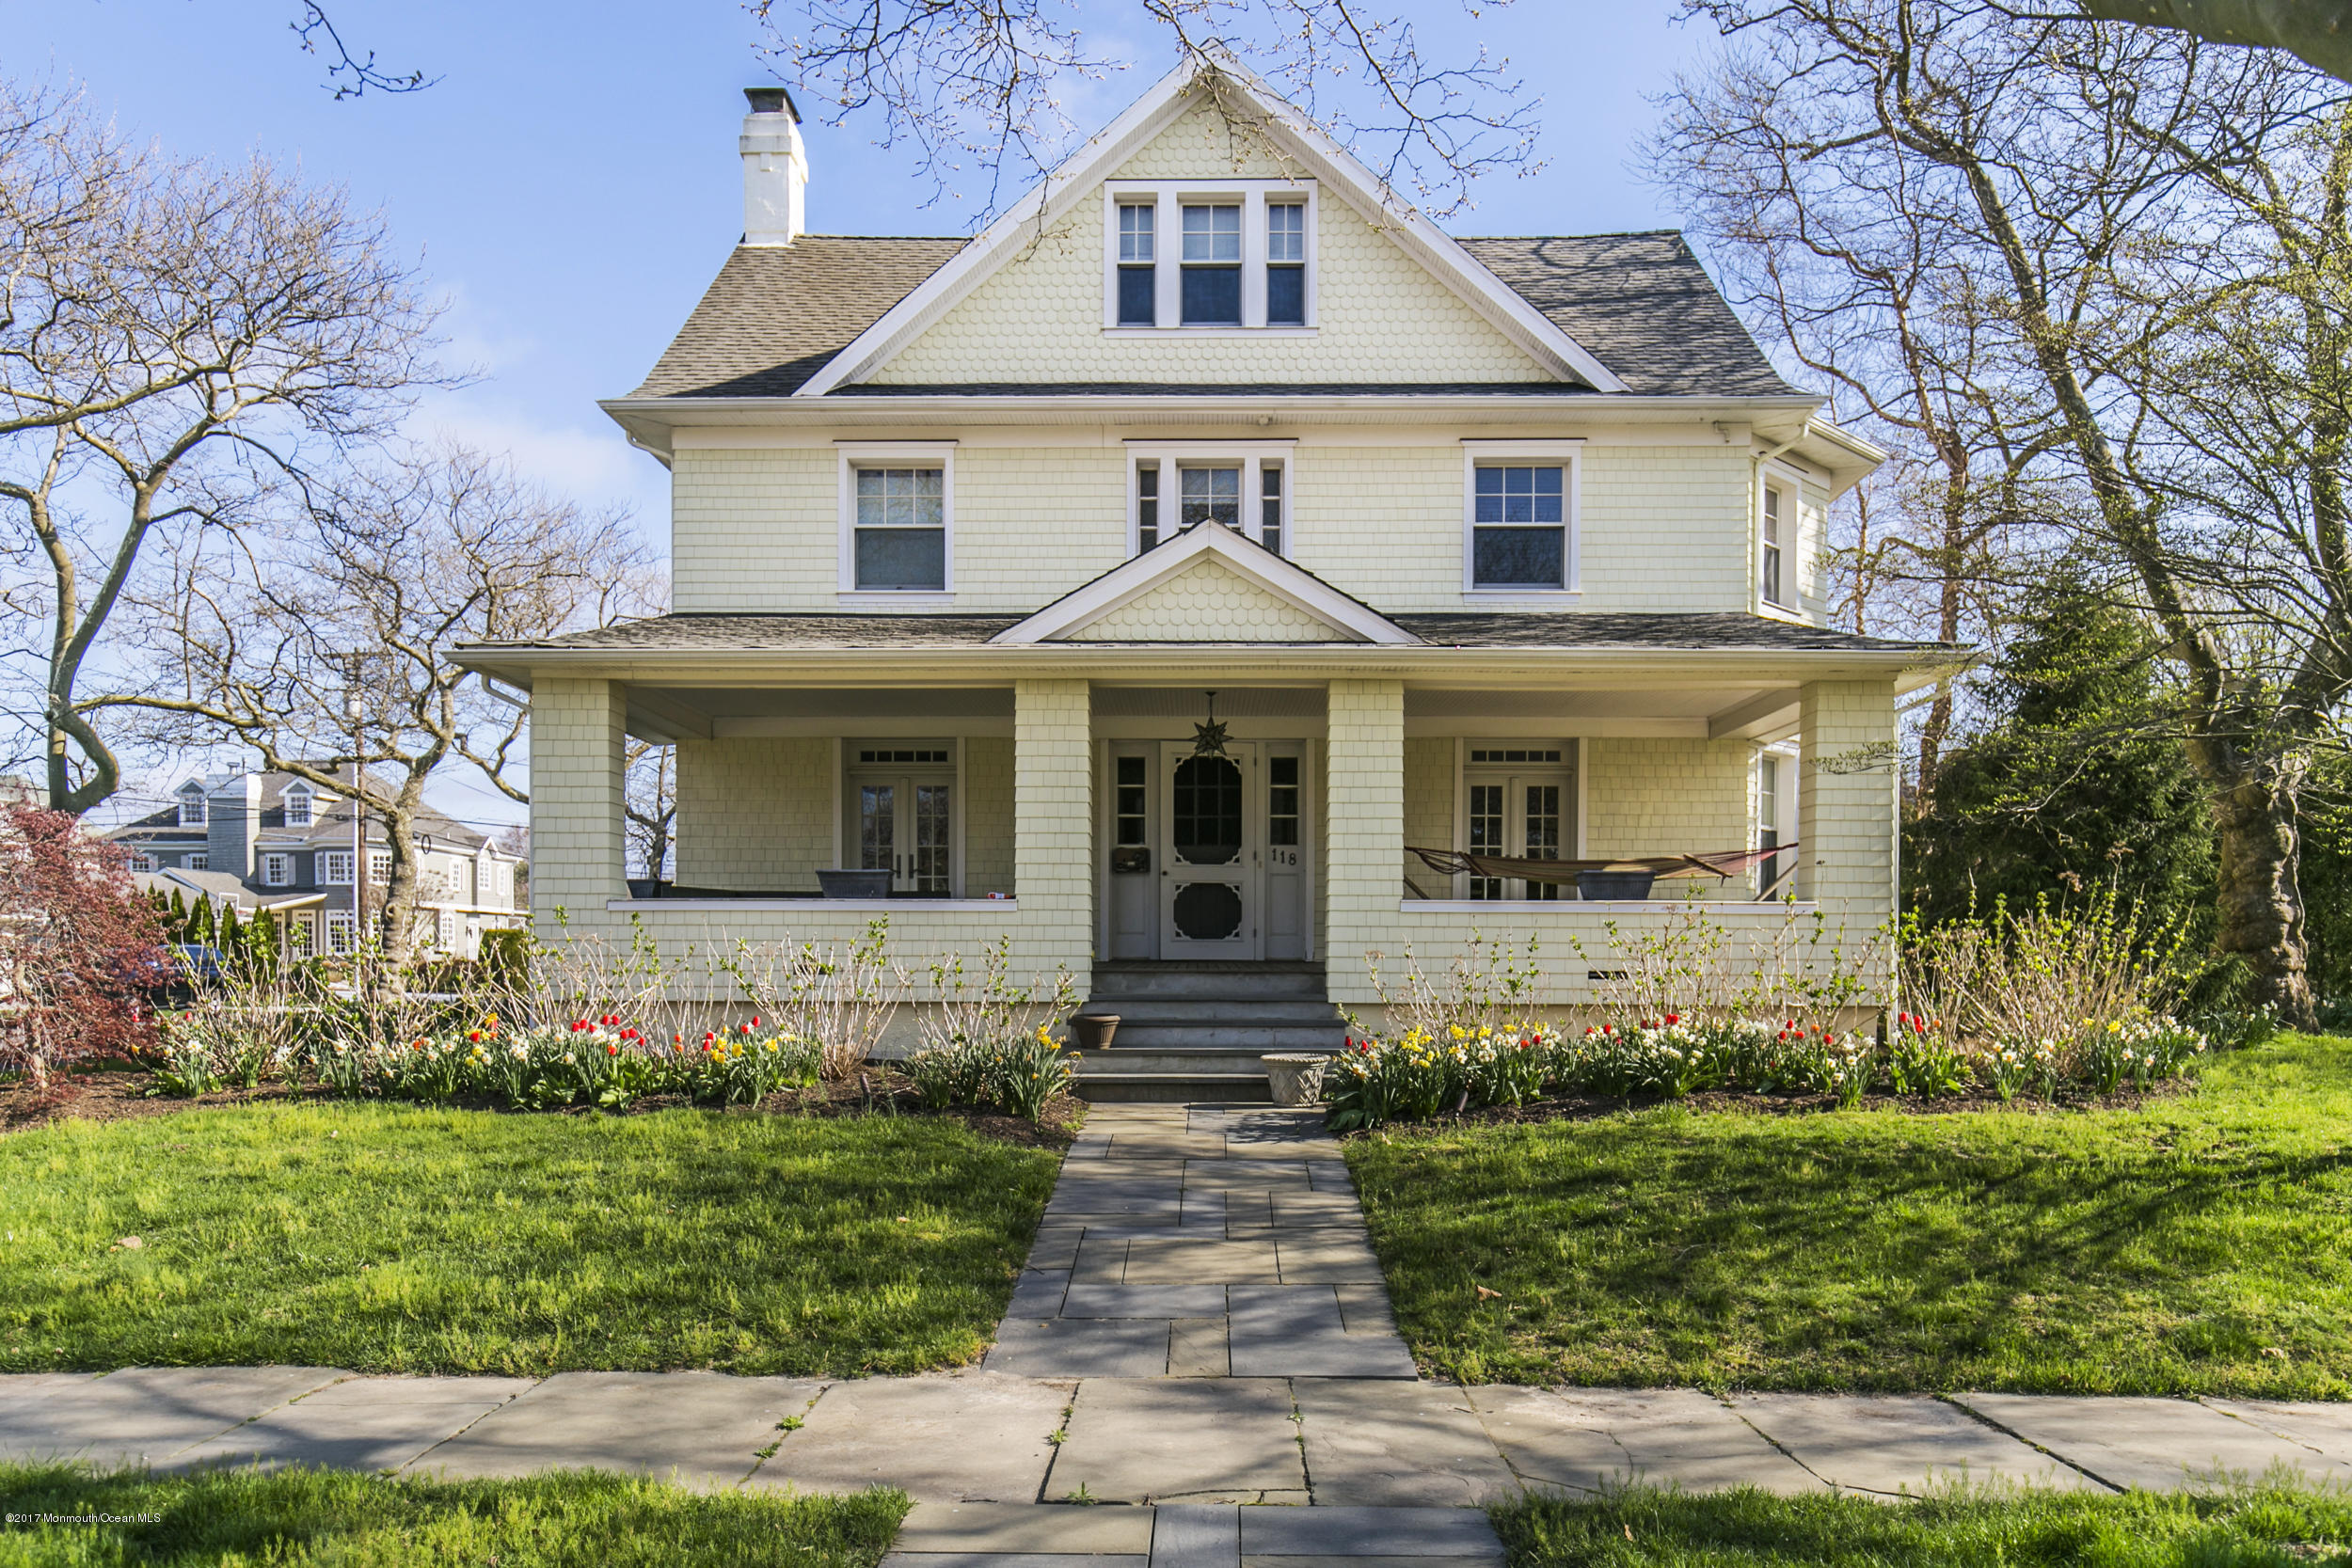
(1251, 457)
(1169, 199)
(1565, 454)
(854, 455)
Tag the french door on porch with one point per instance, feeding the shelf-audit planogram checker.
(1208, 858)
(901, 809)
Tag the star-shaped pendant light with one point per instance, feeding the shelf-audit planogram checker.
(1208, 740)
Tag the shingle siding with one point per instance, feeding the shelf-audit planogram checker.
(754, 814)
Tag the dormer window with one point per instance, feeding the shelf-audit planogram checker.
(192, 805)
(298, 801)
(1240, 256)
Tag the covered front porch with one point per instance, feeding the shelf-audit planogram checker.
(1067, 803)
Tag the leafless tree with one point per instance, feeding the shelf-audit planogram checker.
(650, 804)
(978, 85)
(172, 336)
(2135, 211)
(322, 642)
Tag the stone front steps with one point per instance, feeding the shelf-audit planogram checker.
(1194, 1032)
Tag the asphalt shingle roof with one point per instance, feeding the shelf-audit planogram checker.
(1640, 303)
(1499, 629)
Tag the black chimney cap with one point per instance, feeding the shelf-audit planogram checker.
(772, 101)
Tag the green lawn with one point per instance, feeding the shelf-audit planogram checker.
(2200, 1246)
(401, 1238)
(309, 1519)
(2260, 1527)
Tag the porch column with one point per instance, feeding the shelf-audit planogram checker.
(1364, 814)
(577, 789)
(1053, 825)
(1846, 777)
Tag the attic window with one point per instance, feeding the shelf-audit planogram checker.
(1236, 256)
(191, 806)
(298, 799)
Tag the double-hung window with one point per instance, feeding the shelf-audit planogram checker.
(1138, 276)
(276, 870)
(1242, 485)
(1286, 263)
(898, 518)
(1518, 523)
(335, 868)
(297, 804)
(1770, 571)
(1212, 295)
(1223, 257)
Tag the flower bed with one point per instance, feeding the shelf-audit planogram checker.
(1425, 1074)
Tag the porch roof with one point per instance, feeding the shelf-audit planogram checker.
(1565, 631)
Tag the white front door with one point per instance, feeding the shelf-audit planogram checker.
(1213, 808)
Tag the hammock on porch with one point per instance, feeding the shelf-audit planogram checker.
(1724, 864)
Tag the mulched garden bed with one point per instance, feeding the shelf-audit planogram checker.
(1594, 1107)
(121, 1093)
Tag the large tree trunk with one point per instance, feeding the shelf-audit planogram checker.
(2261, 901)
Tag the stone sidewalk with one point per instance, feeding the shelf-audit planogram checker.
(1201, 1242)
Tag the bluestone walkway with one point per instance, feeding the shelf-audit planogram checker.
(1200, 1328)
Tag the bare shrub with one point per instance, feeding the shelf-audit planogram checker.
(842, 998)
(2048, 974)
(1488, 985)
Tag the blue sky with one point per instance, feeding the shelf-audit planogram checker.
(570, 184)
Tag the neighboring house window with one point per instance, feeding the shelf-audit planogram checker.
(1771, 569)
(1244, 256)
(898, 518)
(1138, 277)
(380, 867)
(276, 870)
(1520, 523)
(297, 801)
(1242, 485)
(192, 807)
(198, 863)
(335, 868)
(141, 862)
(301, 936)
(448, 928)
(1211, 281)
(341, 931)
(1286, 263)
(1521, 805)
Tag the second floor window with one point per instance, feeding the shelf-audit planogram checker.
(1769, 563)
(380, 867)
(1286, 264)
(298, 807)
(901, 529)
(276, 870)
(1211, 496)
(198, 863)
(1270, 506)
(335, 868)
(1212, 283)
(1518, 536)
(1147, 507)
(1137, 276)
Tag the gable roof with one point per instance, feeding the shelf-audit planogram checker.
(1350, 619)
(1643, 304)
(776, 315)
(1333, 167)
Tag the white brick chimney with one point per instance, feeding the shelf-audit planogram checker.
(775, 168)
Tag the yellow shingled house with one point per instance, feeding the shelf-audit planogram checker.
(1508, 551)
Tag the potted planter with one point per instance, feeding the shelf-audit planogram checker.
(1093, 1031)
(1296, 1079)
(854, 885)
(1614, 884)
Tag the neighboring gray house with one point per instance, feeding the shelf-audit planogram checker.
(270, 841)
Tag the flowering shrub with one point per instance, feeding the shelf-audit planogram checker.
(1017, 1076)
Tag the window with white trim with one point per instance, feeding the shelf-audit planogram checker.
(301, 936)
(898, 518)
(191, 805)
(335, 868)
(1771, 572)
(380, 867)
(1137, 254)
(342, 932)
(198, 863)
(140, 863)
(276, 870)
(1519, 517)
(1244, 487)
(1519, 803)
(1226, 256)
(297, 804)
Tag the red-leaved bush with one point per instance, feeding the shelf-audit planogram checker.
(79, 946)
